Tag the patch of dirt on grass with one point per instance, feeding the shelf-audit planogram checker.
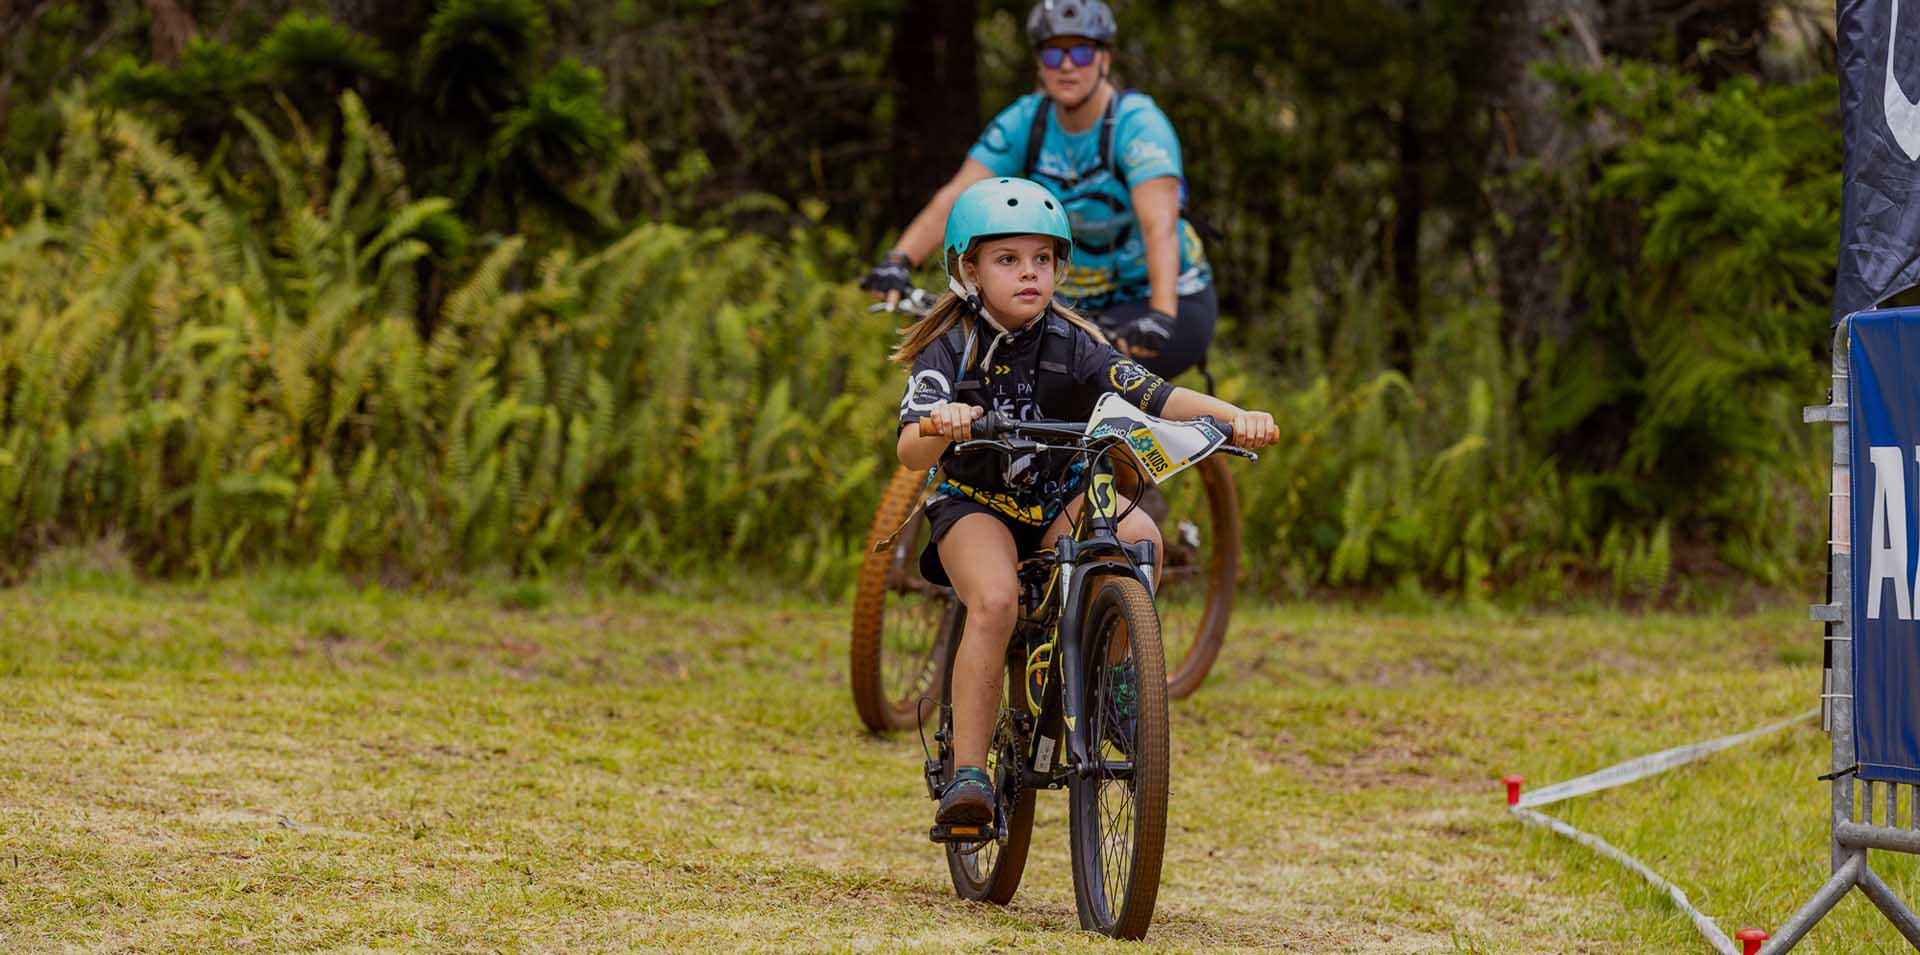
(1397, 757)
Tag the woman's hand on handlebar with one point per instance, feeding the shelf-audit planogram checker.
(892, 278)
(1254, 429)
(953, 421)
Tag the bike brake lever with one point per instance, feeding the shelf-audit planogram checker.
(1241, 452)
(916, 303)
(1004, 445)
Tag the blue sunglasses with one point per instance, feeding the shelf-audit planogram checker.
(1082, 53)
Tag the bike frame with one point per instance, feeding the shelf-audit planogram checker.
(1094, 551)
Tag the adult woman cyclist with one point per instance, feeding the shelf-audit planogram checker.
(1114, 161)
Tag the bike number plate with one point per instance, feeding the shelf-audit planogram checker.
(1163, 448)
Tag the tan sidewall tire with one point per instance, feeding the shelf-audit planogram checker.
(1223, 503)
(1132, 912)
(865, 668)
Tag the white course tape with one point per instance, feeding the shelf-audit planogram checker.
(1707, 926)
(1650, 765)
(1620, 775)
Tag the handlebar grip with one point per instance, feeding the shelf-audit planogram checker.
(986, 427)
(1226, 427)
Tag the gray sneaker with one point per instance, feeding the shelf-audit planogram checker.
(967, 800)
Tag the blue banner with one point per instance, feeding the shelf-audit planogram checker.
(1880, 188)
(1884, 351)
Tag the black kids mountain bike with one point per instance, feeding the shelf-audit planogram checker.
(903, 624)
(1085, 701)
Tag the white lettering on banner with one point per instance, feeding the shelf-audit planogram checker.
(1887, 535)
(1903, 115)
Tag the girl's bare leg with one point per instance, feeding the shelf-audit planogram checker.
(979, 555)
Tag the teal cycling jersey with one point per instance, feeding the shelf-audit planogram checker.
(1109, 262)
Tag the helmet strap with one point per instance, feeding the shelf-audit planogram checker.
(970, 294)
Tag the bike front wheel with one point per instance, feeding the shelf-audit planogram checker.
(1118, 808)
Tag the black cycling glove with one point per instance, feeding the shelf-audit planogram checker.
(893, 274)
(1152, 331)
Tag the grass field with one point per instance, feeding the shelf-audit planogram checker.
(286, 763)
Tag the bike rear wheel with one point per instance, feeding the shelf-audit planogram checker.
(990, 871)
(1118, 811)
(1200, 568)
(902, 624)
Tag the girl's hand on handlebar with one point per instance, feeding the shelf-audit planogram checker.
(1254, 429)
(953, 420)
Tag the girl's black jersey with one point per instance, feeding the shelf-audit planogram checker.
(1047, 369)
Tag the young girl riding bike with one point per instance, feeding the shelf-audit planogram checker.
(1000, 343)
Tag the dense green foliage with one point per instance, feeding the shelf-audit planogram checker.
(219, 390)
(442, 284)
(1707, 271)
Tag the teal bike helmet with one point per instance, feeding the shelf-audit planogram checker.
(1000, 206)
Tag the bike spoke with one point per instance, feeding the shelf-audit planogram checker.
(908, 658)
(1113, 799)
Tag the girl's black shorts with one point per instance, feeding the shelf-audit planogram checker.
(944, 512)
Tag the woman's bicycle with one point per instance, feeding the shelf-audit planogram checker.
(903, 625)
(1084, 705)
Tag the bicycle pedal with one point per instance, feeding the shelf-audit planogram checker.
(978, 832)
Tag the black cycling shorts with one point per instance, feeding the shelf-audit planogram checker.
(943, 512)
(1192, 334)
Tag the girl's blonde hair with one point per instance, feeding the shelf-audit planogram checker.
(952, 310)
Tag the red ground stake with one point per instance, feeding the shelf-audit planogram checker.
(1513, 789)
(1751, 939)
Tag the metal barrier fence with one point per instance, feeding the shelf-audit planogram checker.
(1863, 817)
(1855, 829)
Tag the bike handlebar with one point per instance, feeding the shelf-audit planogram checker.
(994, 425)
(916, 302)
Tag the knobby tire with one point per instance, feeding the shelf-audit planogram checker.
(1119, 826)
(880, 707)
(1221, 555)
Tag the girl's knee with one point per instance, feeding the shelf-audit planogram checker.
(995, 607)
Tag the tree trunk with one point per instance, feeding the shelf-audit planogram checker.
(937, 109)
(1531, 147)
(171, 27)
(6, 74)
(1409, 208)
(396, 24)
